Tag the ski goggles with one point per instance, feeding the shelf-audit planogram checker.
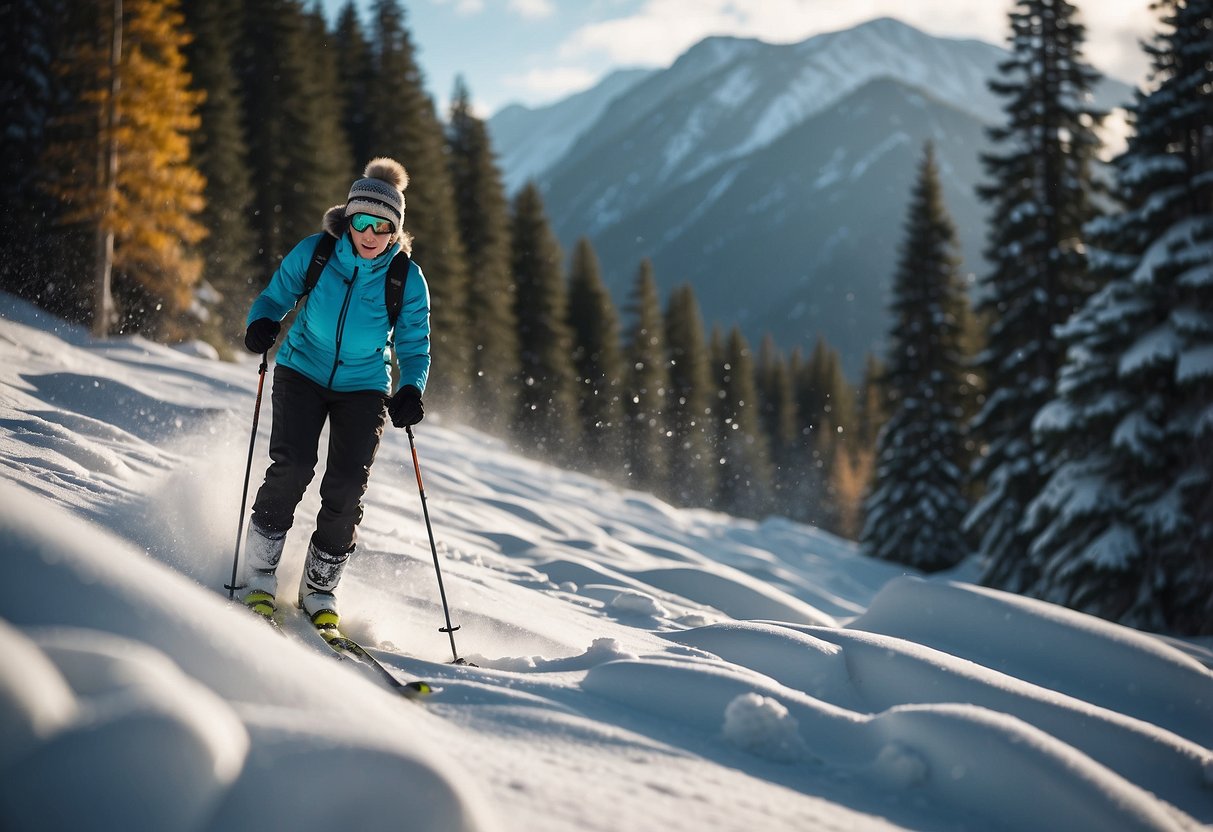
(361, 222)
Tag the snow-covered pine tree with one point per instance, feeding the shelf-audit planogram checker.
(645, 387)
(598, 359)
(915, 509)
(484, 226)
(1040, 193)
(689, 406)
(1124, 528)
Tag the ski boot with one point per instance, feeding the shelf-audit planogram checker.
(321, 574)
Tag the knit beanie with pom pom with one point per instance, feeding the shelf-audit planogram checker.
(381, 192)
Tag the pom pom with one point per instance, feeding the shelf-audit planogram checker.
(387, 170)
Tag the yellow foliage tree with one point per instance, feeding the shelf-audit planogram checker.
(850, 479)
(158, 193)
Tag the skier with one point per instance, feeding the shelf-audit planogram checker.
(335, 365)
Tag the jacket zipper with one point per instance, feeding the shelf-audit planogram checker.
(345, 308)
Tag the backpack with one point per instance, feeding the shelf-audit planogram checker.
(393, 287)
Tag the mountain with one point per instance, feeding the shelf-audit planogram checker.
(728, 164)
(799, 237)
(528, 139)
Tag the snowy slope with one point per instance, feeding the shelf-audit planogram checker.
(639, 666)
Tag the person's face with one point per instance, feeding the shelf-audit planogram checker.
(368, 242)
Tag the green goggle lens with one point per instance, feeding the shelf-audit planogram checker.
(361, 222)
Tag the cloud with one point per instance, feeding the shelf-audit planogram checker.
(550, 83)
(464, 8)
(658, 31)
(534, 9)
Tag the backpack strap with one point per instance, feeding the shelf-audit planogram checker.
(320, 257)
(393, 287)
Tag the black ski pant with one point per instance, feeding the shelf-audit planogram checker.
(300, 408)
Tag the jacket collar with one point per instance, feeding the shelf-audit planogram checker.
(348, 259)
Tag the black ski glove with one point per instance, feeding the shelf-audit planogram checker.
(405, 407)
(261, 335)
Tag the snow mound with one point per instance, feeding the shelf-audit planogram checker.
(763, 726)
(94, 708)
(1106, 663)
(35, 700)
(181, 745)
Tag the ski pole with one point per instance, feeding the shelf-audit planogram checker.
(231, 588)
(446, 610)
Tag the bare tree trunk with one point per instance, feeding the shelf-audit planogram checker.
(103, 309)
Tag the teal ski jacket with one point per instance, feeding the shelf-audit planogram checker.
(342, 338)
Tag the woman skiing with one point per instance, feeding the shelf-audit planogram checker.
(335, 365)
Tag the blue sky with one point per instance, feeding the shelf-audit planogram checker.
(537, 51)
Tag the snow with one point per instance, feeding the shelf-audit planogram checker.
(637, 665)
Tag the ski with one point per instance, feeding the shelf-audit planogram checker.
(345, 647)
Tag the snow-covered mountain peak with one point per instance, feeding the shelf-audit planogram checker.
(714, 52)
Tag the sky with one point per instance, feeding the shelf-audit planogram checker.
(535, 52)
(635, 666)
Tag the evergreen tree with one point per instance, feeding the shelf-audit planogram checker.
(823, 403)
(854, 470)
(917, 503)
(1041, 193)
(777, 404)
(298, 157)
(403, 125)
(871, 411)
(745, 476)
(1124, 528)
(355, 75)
(28, 88)
(326, 54)
(598, 359)
(547, 411)
(647, 379)
(484, 226)
(692, 474)
(718, 364)
(218, 148)
(154, 272)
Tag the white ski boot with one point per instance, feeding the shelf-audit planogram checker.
(263, 551)
(321, 574)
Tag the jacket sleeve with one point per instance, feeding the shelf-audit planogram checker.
(285, 287)
(411, 339)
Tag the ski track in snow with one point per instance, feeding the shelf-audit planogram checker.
(637, 665)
